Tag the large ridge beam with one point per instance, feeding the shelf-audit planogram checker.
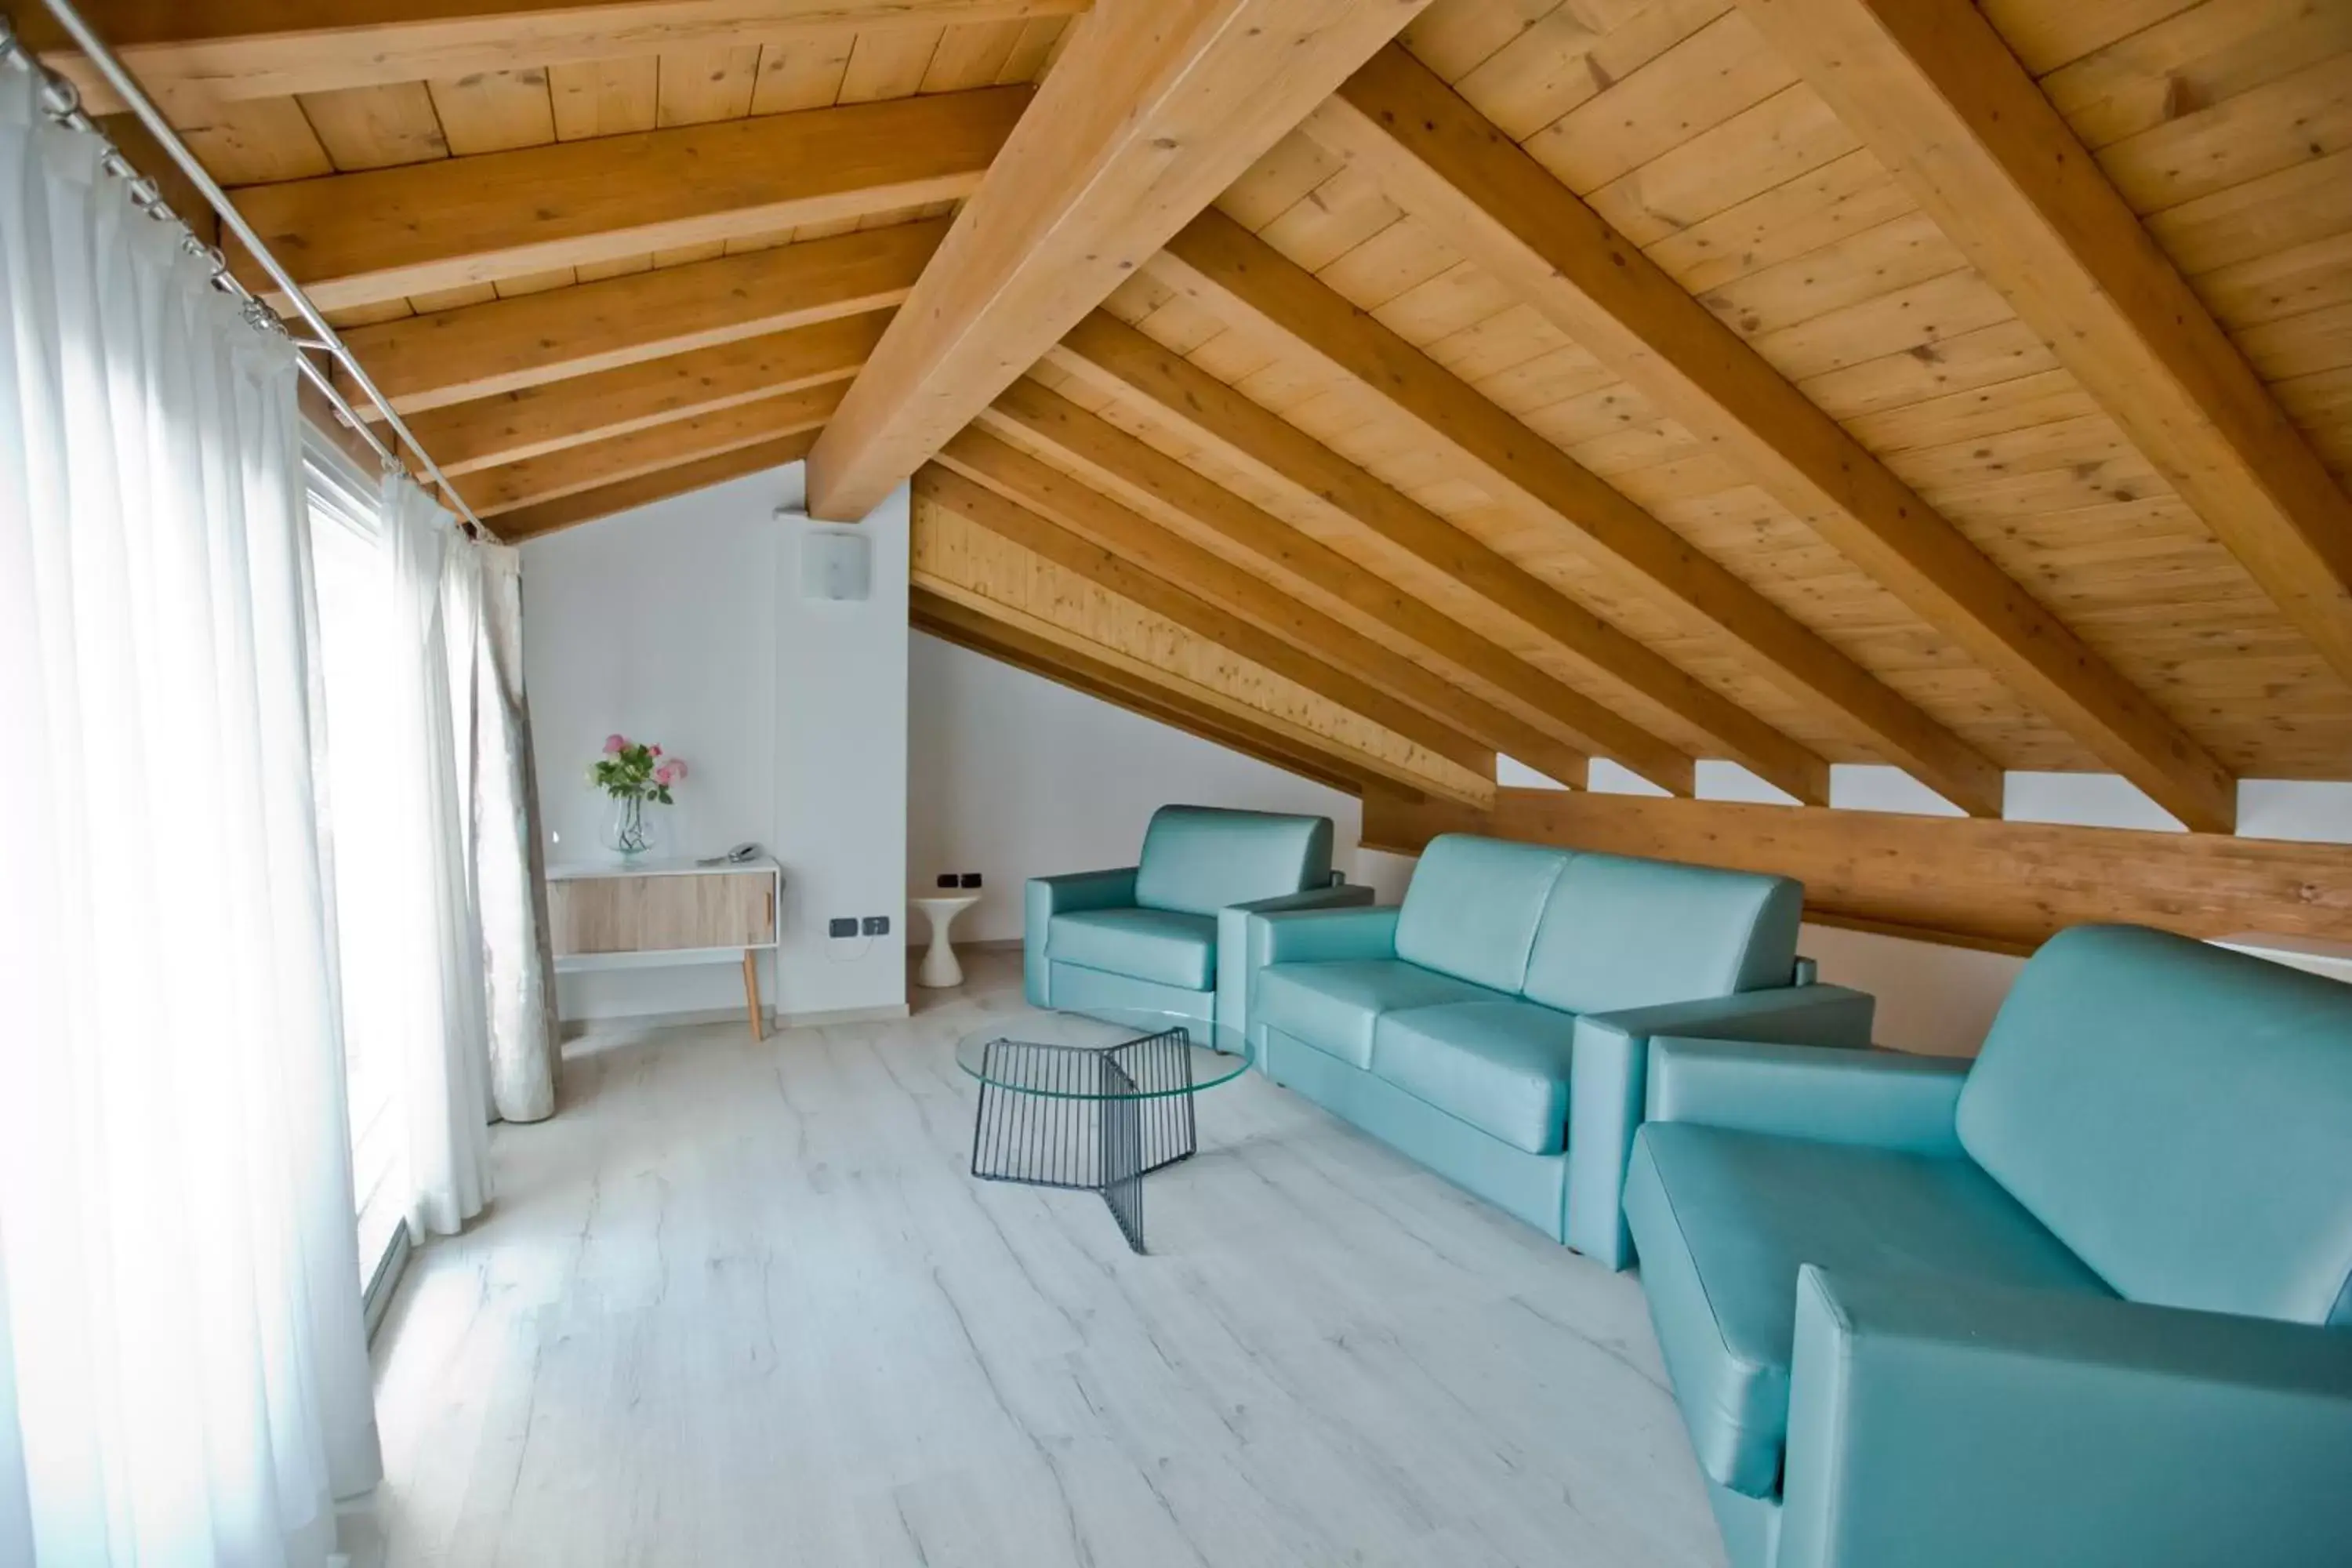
(1155, 107)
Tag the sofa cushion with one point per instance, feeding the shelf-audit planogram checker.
(1723, 1218)
(1333, 1006)
(2180, 1115)
(1149, 944)
(1472, 909)
(1197, 859)
(1502, 1067)
(1621, 933)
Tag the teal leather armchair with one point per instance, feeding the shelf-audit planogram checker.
(2086, 1300)
(1149, 936)
(1495, 1025)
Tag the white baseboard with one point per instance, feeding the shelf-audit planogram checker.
(573, 1028)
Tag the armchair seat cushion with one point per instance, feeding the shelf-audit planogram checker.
(1334, 1006)
(1501, 1066)
(1723, 1220)
(1160, 945)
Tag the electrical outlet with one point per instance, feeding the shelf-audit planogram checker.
(841, 928)
(971, 879)
(947, 879)
(878, 925)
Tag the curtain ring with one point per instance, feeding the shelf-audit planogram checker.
(61, 98)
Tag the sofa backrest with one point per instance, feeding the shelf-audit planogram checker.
(2180, 1116)
(1197, 859)
(1472, 909)
(1625, 932)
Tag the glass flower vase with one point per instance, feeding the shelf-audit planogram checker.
(632, 826)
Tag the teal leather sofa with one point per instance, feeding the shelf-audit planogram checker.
(1148, 936)
(1495, 1025)
(2088, 1300)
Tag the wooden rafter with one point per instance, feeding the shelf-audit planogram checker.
(1456, 765)
(952, 621)
(1441, 160)
(1016, 498)
(559, 414)
(1934, 92)
(382, 234)
(661, 484)
(1238, 276)
(190, 57)
(1154, 109)
(471, 352)
(1129, 468)
(512, 485)
(1112, 354)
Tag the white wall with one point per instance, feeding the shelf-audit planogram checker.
(682, 623)
(1013, 776)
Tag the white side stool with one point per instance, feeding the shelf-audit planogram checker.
(939, 966)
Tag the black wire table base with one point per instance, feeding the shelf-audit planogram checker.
(1089, 1117)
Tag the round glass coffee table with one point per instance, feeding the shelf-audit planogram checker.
(1093, 1101)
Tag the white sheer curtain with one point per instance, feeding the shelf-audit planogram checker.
(442, 1032)
(183, 1376)
(509, 869)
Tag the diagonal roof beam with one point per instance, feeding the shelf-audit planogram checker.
(1241, 278)
(191, 57)
(1930, 86)
(1443, 162)
(1175, 601)
(383, 234)
(503, 346)
(1392, 690)
(513, 485)
(1112, 355)
(589, 505)
(1155, 107)
(1129, 469)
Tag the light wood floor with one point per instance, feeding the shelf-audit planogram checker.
(743, 1304)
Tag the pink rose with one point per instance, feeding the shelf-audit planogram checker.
(669, 774)
(653, 750)
(615, 744)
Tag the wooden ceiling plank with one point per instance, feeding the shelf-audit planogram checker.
(1217, 261)
(1121, 464)
(351, 239)
(1113, 353)
(505, 345)
(1932, 88)
(511, 486)
(1441, 159)
(1003, 508)
(548, 517)
(1155, 107)
(193, 58)
(935, 615)
(549, 417)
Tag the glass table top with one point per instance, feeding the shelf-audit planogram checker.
(1112, 1054)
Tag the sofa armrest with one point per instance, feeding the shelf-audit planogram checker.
(1608, 1080)
(1837, 1095)
(1045, 897)
(1938, 1424)
(1233, 942)
(1322, 936)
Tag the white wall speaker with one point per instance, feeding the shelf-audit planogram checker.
(835, 563)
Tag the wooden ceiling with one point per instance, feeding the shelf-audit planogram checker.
(1379, 384)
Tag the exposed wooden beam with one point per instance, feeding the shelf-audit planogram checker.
(952, 621)
(1931, 88)
(1176, 599)
(1235, 274)
(1112, 354)
(1155, 107)
(473, 351)
(540, 420)
(382, 234)
(589, 506)
(1129, 468)
(512, 485)
(1442, 160)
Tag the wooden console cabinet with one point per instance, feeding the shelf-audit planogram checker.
(666, 912)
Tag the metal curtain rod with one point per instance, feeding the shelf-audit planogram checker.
(66, 106)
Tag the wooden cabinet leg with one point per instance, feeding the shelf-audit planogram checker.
(752, 994)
